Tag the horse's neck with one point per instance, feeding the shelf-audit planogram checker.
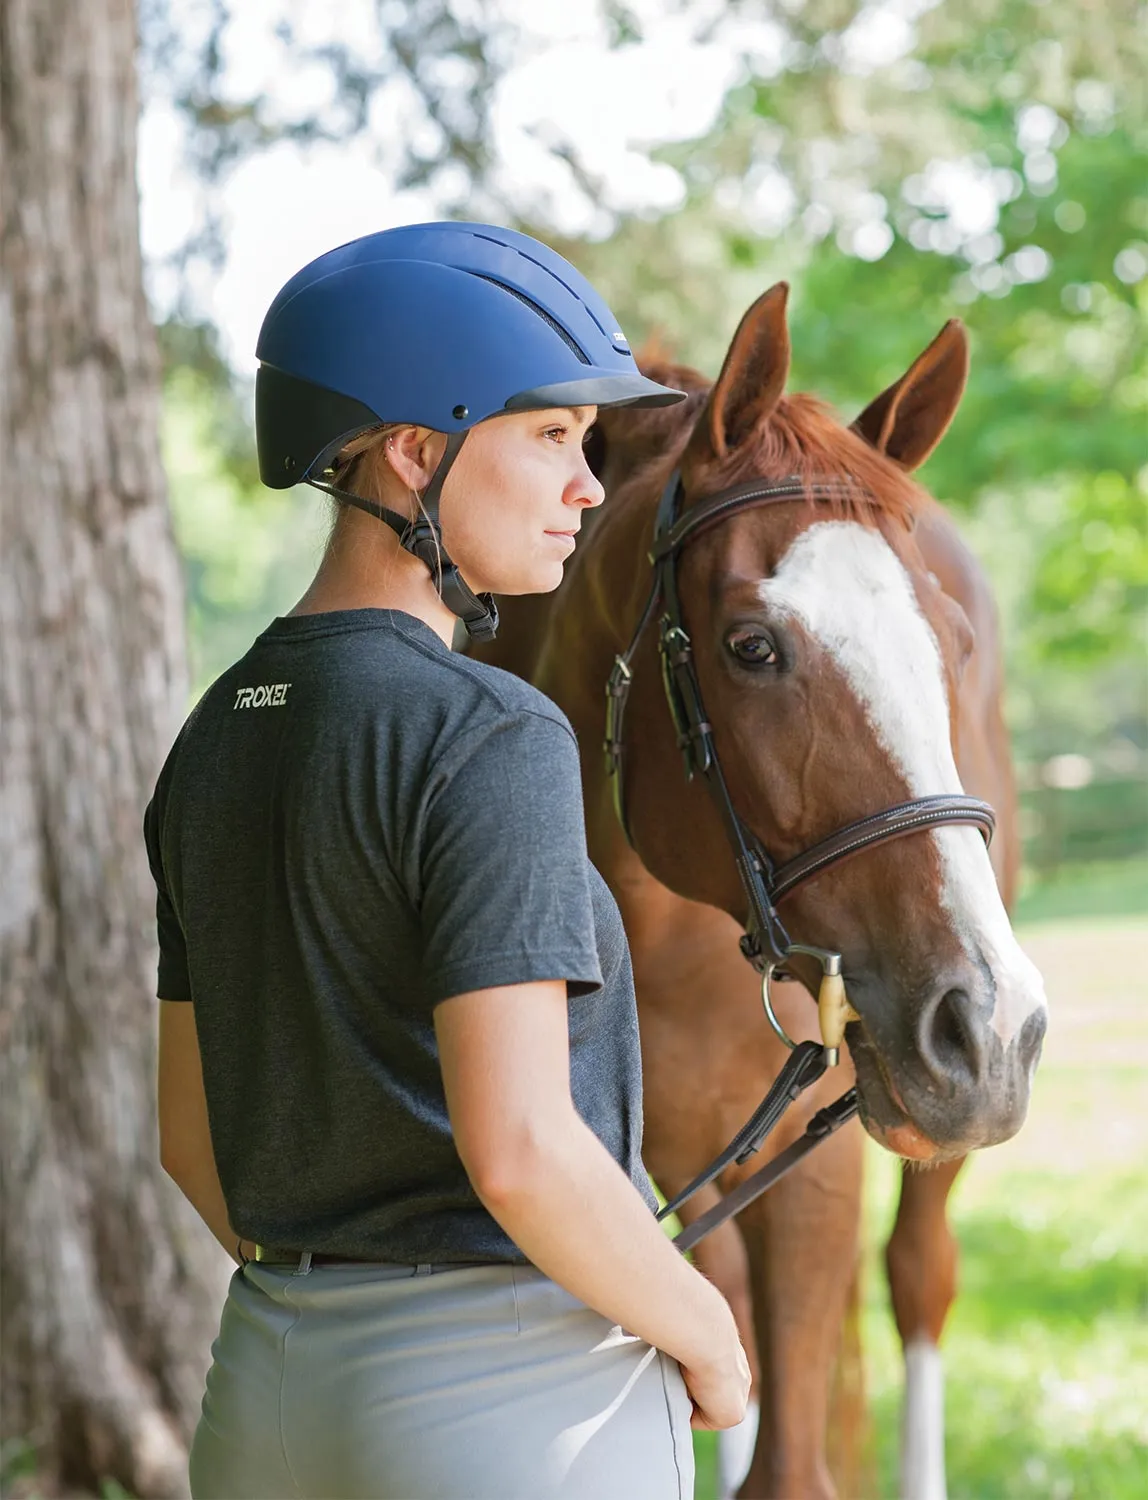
(523, 621)
(593, 614)
(590, 622)
(566, 642)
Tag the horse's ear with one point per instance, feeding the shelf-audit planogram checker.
(752, 379)
(907, 421)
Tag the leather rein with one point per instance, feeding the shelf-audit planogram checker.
(765, 942)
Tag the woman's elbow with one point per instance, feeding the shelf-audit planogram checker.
(185, 1158)
(173, 1160)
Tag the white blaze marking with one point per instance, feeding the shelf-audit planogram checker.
(735, 1451)
(848, 589)
(923, 1423)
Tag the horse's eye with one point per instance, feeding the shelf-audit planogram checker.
(752, 647)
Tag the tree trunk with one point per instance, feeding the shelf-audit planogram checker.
(110, 1288)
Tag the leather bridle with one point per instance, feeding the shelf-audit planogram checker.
(765, 943)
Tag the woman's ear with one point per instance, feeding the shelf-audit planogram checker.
(413, 454)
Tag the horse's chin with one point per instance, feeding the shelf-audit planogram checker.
(886, 1119)
(907, 1141)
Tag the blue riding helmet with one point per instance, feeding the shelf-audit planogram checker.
(440, 325)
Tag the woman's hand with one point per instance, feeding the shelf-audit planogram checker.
(719, 1385)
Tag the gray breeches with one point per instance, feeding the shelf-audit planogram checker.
(483, 1383)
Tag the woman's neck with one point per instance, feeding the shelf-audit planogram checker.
(364, 567)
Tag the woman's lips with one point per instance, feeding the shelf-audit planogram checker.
(565, 536)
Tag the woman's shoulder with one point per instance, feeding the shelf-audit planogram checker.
(484, 693)
(504, 695)
(497, 725)
(358, 675)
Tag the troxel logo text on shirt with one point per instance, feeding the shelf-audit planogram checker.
(270, 695)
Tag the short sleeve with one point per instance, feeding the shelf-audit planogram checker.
(503, 872)
(173, 981)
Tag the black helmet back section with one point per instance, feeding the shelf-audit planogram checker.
(441, 325)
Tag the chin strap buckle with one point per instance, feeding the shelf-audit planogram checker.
(478, 612)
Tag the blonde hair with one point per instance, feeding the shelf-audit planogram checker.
(359, 464)
(360, 467)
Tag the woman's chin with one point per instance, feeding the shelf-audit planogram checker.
(543, 579)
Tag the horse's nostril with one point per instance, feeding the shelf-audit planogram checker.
(949, 1035)
(949, 1042)
(1031, 1038)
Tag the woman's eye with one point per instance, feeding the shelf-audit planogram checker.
(753, 647)
(556, 433)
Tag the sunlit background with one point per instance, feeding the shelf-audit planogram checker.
(900, 163)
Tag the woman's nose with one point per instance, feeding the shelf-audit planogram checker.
(587, 489)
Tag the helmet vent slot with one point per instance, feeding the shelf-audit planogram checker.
(540, 311)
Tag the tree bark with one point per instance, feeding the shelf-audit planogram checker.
(109, 1287)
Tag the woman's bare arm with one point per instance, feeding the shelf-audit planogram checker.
(184, 1138)
(551, 1184)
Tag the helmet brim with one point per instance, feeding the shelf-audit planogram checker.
(600, 388)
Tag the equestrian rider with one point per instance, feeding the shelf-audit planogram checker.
(406, 1092)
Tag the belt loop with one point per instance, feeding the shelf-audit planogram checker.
(304, 1266)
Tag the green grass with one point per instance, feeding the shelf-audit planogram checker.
(1046, 1350)
(1047, 1346)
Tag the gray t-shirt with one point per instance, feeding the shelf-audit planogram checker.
(354, 825)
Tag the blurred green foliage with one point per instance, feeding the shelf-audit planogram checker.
(996, 170)
(999, 173)
(1090, 584)
(1109, 888)
(248, 552)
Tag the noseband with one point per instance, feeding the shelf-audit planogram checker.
(765, 943)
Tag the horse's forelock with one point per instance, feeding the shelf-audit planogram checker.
(802, 437)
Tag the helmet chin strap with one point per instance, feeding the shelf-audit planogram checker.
(422, 537)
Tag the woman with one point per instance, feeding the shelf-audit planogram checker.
(407, 1096)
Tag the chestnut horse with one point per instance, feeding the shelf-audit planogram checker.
(848, 661)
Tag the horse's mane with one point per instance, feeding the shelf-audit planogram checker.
(803, 437)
